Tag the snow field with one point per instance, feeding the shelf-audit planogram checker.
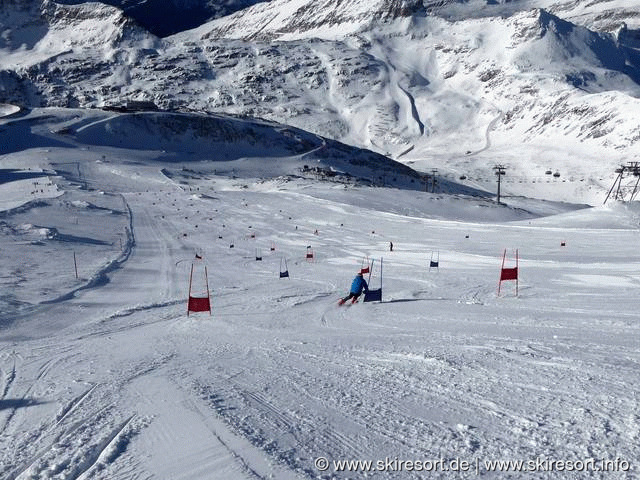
(107, 377)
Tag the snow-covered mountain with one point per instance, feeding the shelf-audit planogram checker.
(238, 168)
(449, 85)
(600, 15)
(166, 17)
(285, 19)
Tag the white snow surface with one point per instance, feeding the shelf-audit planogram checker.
(6, 109)
(105, 376)
(535, 85)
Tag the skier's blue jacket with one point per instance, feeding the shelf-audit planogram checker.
(358, 284)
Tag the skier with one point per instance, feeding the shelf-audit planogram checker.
(358, 284)
(391, 246)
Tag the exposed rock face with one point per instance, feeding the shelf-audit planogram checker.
(166, 17)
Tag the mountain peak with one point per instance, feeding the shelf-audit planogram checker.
(548, 37)
(297, 18)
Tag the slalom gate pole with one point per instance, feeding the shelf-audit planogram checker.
(501, 269)
(206, 278)
(190, 279)
(517, 272)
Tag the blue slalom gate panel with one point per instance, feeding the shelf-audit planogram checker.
(284, 272)
(373, 295)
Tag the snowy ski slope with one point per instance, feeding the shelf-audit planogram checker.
(105, 376)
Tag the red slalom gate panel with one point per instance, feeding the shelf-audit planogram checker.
(510, 273)
(197, 304)
(310, 256)
(365, 266)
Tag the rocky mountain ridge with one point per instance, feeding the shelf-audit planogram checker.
(167, 17)
(294, 19)
(432, 82)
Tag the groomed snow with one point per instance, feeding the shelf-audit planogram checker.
(105, 376)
